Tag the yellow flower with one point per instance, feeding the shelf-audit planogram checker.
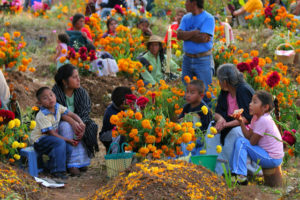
(204, 110)
(15, 145)
(32, 124)
(178, 53)
(22, 145)
(203, 151)
(198, 124)
(11, 124)
(265, 45)
(210, 136)
(17, 156)
(17, 122)
(219, 148)
(213, 130)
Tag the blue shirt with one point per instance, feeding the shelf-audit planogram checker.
(205, 23)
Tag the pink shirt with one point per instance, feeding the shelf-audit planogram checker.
(265, 124)
(232, 104)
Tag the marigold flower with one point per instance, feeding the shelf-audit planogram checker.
(186, 137)
(208, 94)
(204, 110)
(178, 53)
(146, 124)
(11, 160)
(150, 68)
(298, 79)
(11, 124)
(198, 124)
(17, 156)
(35, 108)
(187, 79)
(114, 119)
(17, 34)
(213, 130)
(210, 136)
(219, 148)
(15, 145)
(138, 116)
(32, 125)
(202, 151)
(17, 122)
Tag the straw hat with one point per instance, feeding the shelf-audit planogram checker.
(155, 38)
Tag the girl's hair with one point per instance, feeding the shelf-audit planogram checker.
(161, 52)
(265, 98)
(77, 17)
(229, 73)
(110, 20)
(64, 38)
(118, 95)
(64, 73)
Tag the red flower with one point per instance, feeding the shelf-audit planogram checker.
(86, 19)
(92, 55)
(273, 79)
(142, 102)
(72, 52)
(254, 63)
(289, 138)
(244, 67)
(119, 9)
(153, 97)
(82, 50)
(83, 57)
(45, 7)
(7, 115)
(268, 12)
(258, 69)
(130, 98)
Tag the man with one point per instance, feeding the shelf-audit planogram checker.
(197, 31)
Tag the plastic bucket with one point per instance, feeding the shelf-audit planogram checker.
(207, 161)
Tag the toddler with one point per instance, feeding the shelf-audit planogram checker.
(61, 49)
(259, 142)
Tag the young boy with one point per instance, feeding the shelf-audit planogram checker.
(194, 95)
(144, 25)
(45, 137)
(118, 104)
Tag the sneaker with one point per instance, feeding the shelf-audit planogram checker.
(242, 180)
(74, 171)
(83, 169)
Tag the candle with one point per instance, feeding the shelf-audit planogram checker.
(169, 50)
(227, 36)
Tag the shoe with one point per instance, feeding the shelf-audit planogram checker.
(74, 171)
(60, 175)
(83, 169)
(242, 180)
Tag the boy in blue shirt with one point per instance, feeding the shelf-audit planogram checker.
(197, 31)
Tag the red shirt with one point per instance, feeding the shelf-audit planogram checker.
(83, 30)
(174, 28)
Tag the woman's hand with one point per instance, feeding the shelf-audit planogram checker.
(221, 124)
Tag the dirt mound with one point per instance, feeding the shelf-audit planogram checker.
(15, 184)
(100, 89)
(24, 87)
(160, 179)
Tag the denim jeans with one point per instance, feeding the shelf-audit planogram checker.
(202, 68)
(57, 149)
(242, 149)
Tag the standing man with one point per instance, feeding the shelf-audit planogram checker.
(197, 31)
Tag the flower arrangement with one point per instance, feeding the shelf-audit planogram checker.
(223, 54)
(11, 6)
(12, 53)
(39, 9)
(273, 16)
(13, 136)
(129, 68)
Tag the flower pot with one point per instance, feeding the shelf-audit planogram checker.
(207, 161)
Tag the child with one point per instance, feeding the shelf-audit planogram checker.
(194, 95)
(45, 137)
(144, 25)
(61, 49)
(118, 104)
(180, 12)
(259, 142)
(111, 25)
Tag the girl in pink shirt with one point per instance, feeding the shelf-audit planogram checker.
(259, 142)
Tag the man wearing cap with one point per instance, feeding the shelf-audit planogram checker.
(154, 62)
(197, 31)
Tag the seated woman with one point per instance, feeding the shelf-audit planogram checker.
(249, 7)
(111, 25)
(155, 57)
(78, 27)
(69, 94)
(235, 94)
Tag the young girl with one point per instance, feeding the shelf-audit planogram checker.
(111, 27)
(259, 142)
(61, 49)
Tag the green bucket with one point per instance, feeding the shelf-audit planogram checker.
(207, 161)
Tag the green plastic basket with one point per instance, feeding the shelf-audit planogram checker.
(207, 161)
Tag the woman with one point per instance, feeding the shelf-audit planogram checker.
(235, 94)
(154, 61)
(78, 22)
(69, 93)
